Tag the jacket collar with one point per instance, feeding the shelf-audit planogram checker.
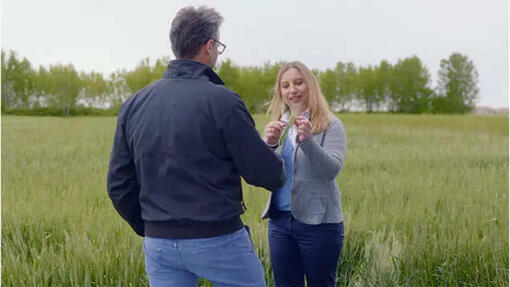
(189, 69)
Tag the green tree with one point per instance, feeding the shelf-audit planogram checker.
(368, 88)
(384, 77)
(140, 77)
(42, 87)
(118, 89)
(144, 73)
(250, 89)
(253, 84)
(347, 82)
(328, 83)
(18, 82)
(160, 67)
(94, 91)
(229, 73)
(457, 85)
(6, 86)
(62, 86)
(268, 81)
(410, 92)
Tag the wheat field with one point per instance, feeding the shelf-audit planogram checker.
(425, 201)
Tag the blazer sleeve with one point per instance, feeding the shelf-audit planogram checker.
(328, 159)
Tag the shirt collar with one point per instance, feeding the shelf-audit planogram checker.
(285, 116)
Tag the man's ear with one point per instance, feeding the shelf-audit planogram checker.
(209, 46)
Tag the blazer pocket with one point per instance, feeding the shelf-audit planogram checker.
(309, 197)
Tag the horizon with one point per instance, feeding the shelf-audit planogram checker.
(363, 33)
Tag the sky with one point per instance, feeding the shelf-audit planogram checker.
(106, 36)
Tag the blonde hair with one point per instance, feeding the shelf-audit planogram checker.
(320, 114)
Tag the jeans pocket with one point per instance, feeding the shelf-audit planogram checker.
(151, 250)
(247, 228)
(243, 242)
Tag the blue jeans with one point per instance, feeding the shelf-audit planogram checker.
(225, 260)
(298, 250)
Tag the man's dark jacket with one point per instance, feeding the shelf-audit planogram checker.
(180, 147)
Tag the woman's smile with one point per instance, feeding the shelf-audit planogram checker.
(295, 98)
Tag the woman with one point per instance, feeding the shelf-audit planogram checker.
(306, 223)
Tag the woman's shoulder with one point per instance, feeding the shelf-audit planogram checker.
(335, 128)
(335, 123)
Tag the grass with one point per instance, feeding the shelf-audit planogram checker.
(425, 201)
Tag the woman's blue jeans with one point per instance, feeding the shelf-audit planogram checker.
(298, 250)
(226, 260)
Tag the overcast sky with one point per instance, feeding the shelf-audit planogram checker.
(105, 36)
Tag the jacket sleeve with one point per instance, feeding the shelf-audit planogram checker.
(122, 185)
(256, 162)
(328, 159)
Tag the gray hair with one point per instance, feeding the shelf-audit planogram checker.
(191, 28)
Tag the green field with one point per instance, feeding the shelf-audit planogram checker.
(425, 201)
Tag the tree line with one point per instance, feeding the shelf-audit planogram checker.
(404, 87)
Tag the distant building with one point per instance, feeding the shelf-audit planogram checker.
(490, 111)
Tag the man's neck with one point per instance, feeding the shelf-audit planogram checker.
(201, 59)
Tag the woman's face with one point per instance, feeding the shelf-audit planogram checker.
(294, 91)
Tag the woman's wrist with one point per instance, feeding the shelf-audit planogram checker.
(301, 141)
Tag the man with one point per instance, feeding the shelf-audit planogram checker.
(180, 147)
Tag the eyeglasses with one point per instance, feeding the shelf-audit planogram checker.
(221, 46)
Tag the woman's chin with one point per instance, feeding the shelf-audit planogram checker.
(298, 108)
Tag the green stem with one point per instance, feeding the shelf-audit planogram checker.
(283, 136)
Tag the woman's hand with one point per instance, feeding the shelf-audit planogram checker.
(304, 128)
(272, 132)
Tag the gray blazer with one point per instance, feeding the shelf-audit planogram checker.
(315, 196)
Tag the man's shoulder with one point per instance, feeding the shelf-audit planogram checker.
(224, 93)
(143, 91)
(200, 86)
(137, 97)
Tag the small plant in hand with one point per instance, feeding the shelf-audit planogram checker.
(283, 136)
